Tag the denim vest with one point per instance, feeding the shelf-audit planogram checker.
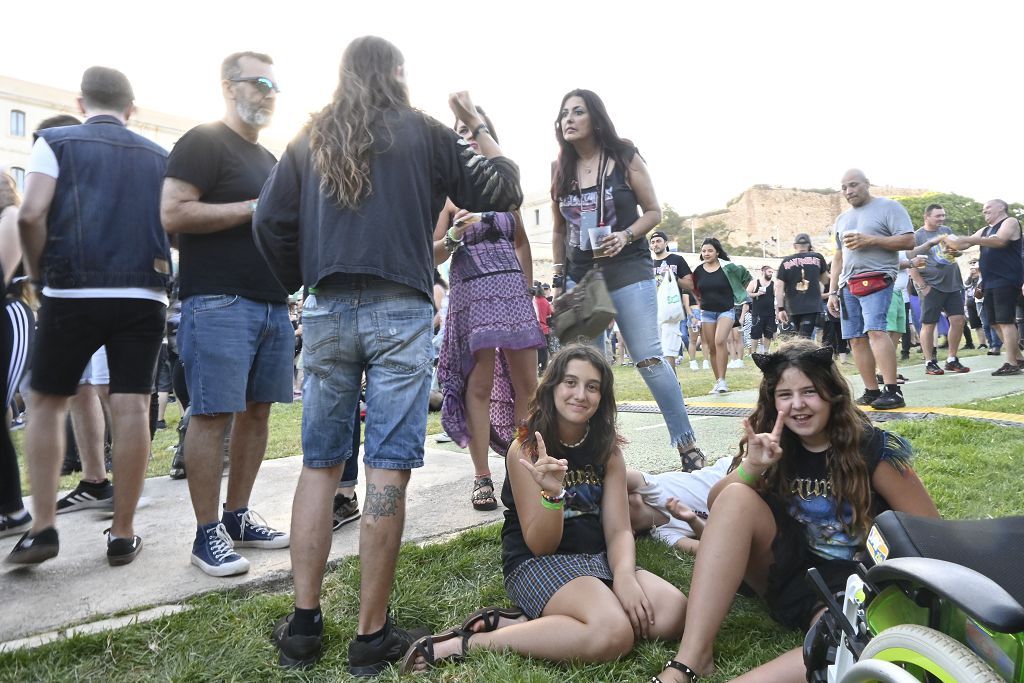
(103, 227)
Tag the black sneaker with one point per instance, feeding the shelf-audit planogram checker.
(121, 551)
(1007, 369)
(888, 401)
(11, 525)
(88, 495)
(932, 368)
(295, 651)
(345, 509)
(178, 464)
(868, 397)
(35, 549)
(369, 659)
(161, 424)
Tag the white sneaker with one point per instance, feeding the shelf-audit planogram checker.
(707, 365)
(739, 363)
(693, 365)
(732, 364)
(442, 438)
(722, 387)
(714, 388)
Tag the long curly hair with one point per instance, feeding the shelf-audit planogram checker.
(563, 180)
(543, 417)
(341, 135)
(8, 191)
(847, 427)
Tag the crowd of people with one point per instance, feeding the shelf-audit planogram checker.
(381, 333)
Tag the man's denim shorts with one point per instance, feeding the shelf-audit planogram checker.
(235, 350)
(862, 314)
(381, 328)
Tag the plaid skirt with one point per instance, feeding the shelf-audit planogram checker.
(533, 583)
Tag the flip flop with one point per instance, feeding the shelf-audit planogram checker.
(424, 647)
(491, 617)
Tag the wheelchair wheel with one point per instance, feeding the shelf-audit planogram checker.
(929, 655)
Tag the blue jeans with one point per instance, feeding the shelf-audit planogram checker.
(235, 350)
(384, 329)
(637, 306)
(862, 314)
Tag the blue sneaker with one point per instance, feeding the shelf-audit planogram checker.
(214, 553)
(248, 530)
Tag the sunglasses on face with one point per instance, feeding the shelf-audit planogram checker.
(262, 83)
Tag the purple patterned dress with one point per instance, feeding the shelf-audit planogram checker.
(488, 308)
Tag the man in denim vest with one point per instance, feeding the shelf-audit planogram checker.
(235, 338)
(90, 228)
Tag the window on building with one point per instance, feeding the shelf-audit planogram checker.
(18, 174)
(17, 123)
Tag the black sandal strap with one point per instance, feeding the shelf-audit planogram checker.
(679, 666)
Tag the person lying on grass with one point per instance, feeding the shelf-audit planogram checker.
(810, 476)
(568, 554)
(673, 506)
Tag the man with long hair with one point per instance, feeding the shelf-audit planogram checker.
(235, 338)
(367, 170)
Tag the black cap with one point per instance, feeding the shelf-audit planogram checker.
(107, 87)
(659, 233)
(802, 238)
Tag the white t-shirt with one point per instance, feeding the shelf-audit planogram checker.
(43, 160)
(690, 488)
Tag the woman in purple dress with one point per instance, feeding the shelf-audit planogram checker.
(488, 361)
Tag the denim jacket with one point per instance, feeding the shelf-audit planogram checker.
(103, 226)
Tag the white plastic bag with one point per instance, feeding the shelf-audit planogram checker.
(670, 303)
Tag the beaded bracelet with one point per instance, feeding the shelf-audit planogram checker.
(550, 505)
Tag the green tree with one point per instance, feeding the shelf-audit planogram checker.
(963, 214)
(677, 227)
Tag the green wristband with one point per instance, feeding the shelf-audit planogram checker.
(746, 477)
(551, 506)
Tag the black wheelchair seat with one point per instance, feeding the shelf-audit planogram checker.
(992, 549)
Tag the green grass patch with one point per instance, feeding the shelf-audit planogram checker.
(1011, 403)
(970, 468)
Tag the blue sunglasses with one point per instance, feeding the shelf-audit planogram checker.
(262, 83)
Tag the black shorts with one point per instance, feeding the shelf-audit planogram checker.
(163, 370)
(950, 303)
(791, 600)
(70, 331)
(974, 320)
(804, 323)
(763, 326)
(1000, 305)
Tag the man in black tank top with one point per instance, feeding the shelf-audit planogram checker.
(1002, 273)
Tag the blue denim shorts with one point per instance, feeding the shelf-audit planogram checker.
(235, 350)
(863, 314)
(381, 328)
(711, 317)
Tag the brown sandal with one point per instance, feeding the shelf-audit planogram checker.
(690, 674)
(483, 495)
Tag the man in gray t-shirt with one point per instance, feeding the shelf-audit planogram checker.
(937, 279)
(869, 236)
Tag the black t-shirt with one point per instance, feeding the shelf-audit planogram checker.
(715, 290)
(582, 531)
(764, 305)
(226, 168)
(675, 262)
(801, 274)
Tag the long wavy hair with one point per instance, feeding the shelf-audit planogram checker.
(563, 179)
(341, 135)
(8, 191)
(847, 427)
(543, 417)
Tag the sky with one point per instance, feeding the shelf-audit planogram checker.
(718, 96)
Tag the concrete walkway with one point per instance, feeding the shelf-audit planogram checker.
(79, 586)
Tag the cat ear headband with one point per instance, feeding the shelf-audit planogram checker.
(769, 361)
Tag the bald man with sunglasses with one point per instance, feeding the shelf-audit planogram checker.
(235, 338)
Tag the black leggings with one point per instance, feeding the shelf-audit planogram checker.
(16, 326)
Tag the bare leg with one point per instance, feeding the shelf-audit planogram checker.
(708, 346)
(885, 354)
(956, 334)
(204, 444)
(927, 337)
(90, 425)
(248, 445)
(161, 404)
(311, 532)
(722, 331)
(380, 535)
(130, 440)
(786, 668)
(736, 546)
(478, 402)
(865, 361)
(521, 366)
(1010, 340)
(44, 449)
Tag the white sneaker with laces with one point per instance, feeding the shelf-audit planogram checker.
(442, 438)
(707, 365)
(693, 365)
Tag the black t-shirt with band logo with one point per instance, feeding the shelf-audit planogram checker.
(801, 275)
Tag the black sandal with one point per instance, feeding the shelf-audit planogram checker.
(678, 666)
(490, 617)
(692, 458)
(424, 647)
(483, 495)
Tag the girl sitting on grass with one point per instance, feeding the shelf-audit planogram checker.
(568, 555)
(810, 477)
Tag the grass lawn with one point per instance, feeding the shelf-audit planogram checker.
(971, 468)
